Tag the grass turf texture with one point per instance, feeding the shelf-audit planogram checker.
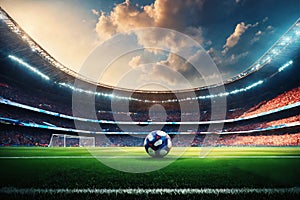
(186, 172)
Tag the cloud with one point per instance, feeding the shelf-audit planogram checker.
(174, 14)
(177, 81)
(161, 74)
(214, 55)
(270, 28)
(135, 62)
(122, 18)
(95, 12)
(255, 25)
(236, 57)
(201, 73)
(229, 60)
(195, 33)
(178, 15)
(265, 19)
(175, 63)
(258, 33)
(234, 38)
(257, 37)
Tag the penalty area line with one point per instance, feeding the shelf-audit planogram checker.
(139, 191)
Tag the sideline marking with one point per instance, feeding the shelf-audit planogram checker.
(32, 191)
(90, 157)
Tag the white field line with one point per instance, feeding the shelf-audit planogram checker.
(140, 191)
(91, 157)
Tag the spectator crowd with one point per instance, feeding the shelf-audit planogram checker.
(287, 98)
(24, 138)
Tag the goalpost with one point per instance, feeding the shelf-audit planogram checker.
(64, 140)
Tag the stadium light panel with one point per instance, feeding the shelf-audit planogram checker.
(285, 66)
(275, 52)
(20, 61)
(287, 39)
(169, 100)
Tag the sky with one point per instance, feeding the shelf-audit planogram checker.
(233, 33)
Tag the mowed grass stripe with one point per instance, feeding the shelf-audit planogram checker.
(140, 151)
(182, 173)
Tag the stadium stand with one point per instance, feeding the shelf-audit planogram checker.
(33, 84)
(20, 136)
(284, 99)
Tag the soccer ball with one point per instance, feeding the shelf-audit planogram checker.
(158, 144)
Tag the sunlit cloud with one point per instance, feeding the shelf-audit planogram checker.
(95, 12)
(234, 38)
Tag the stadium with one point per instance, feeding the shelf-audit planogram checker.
(248, 147)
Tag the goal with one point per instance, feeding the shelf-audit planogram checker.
(63, 140)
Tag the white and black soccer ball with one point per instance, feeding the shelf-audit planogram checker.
(158, 144)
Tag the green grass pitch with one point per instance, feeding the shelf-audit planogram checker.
(222, 167)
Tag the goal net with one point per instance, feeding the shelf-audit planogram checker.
(63, 140)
